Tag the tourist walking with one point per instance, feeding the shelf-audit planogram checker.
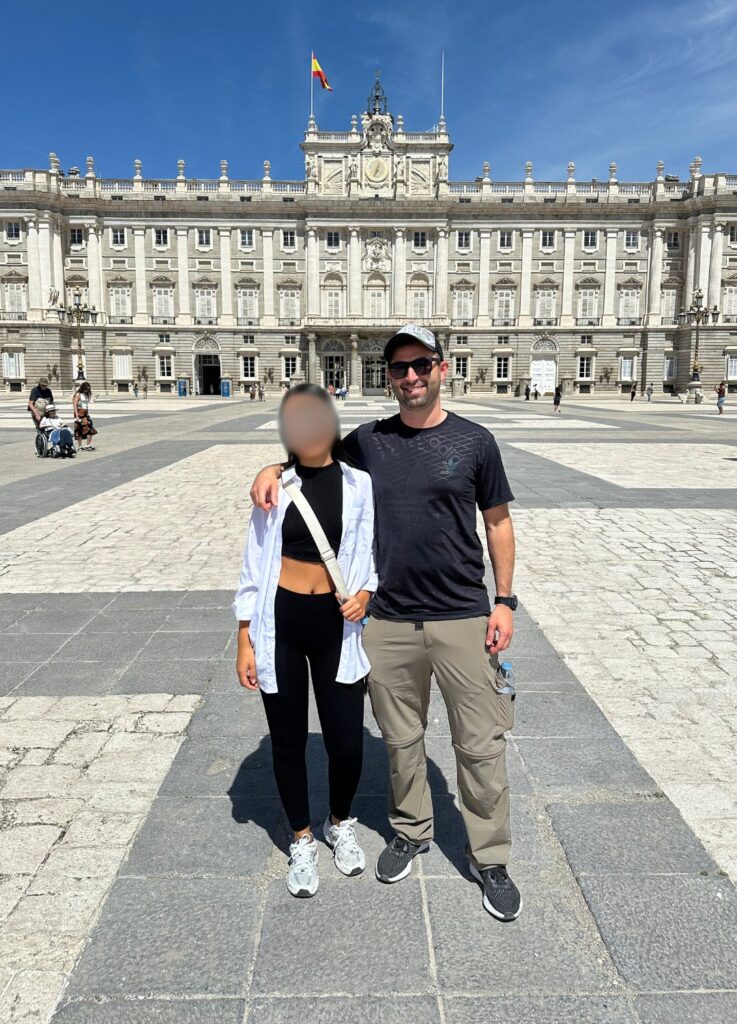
(535, 393)
(557, 395)
(649, 391)
(633, 393)
(297, 609)
(135, 389)
(721, 390)
(84, 430)
(431, 469)
(527, 392)
(261, 392)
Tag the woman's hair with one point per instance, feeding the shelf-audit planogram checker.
(85, 388)
(337, 450)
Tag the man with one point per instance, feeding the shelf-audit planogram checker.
(41, 390)
(431, 470)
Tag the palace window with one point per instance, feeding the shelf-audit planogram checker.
(120, 300)
(419, 302)
(333, 302)
(289, 304)
(166, 367)
(289, 364)
(587, 339)
(375, 302)
(118, 236)
(248, 367)
(669, 305)
(76, 236)
(632, 238)
(731, 367)
(419, 240)
(163, 302)
(672, 241)
(504, 304)
(161, 237)
(13, 364)
(290, 339)
(248, 303)
(588, 303)
(629, 303)
(626, 368)
(288, 240)
(12, 231)
(585, 366)
(460, 364)
(332, 239)
(545, 304)
(590, 239)
(505, 239)
(462, 304)
(732, 234)
(501, 367)
(15, 297)
(729, 300)
(205, 304)
(502, 339)
(122, 369)
(547, 239)
(464, 240)
(670, 366)
(246, 238)
(204, 238)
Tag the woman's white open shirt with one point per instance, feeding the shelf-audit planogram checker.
(254, 600)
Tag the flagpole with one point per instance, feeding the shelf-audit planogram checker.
(442, 85)
(312, 86)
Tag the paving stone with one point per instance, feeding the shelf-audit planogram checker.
(217, 766)
(550, 947)
(240, 713)
(195, 937)
(34, 647)
(391, 919)
(551, 1009)
(564, 766)
(180, 676)
(196, 646)
(99, 646)
(59, 619)
(153, 1011)
(208, 599)
(199, 620)
(685, 1007)
(206, 836)
(559, 714)
(24, 848)
(128, 620)
(166, 599)
(83, 677)
(14, 672)
(638, 837)
(416, 1009)
(667, 932)
(30, 996)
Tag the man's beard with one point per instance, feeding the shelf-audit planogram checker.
(426, 396)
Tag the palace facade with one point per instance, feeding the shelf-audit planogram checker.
(570, 282)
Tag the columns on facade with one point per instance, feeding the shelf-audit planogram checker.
(484, 283)
(704, 250)
(355, 368)
(312, 358)
(354, 272)
(139, 252)
(690, 283)
(715, 265)
(441, 273)
(399, 284)
(34, 272)
(58, 259)
(94, 264)
(184, 315)
(610, 278)
(313, 273)
(655, 278)
(267, 241)
(566, 304)
(45, 228)
(525, 290)
(226, 278)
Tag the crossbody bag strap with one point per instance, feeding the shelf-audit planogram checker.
(318, 535)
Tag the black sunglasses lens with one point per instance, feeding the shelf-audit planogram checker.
(421, 366)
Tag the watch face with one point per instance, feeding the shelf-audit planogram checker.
(376, 169)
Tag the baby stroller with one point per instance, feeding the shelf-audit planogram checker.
(54, 442)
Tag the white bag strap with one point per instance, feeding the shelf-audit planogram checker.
(318, 535)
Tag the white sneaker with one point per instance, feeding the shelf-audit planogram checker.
(347, 854)
(302, 879)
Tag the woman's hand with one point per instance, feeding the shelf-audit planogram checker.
(354, 608)
(265, 488)
(245, 662)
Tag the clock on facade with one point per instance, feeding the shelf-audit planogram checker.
(376, 169)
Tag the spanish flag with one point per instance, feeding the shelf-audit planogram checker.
(317, 72)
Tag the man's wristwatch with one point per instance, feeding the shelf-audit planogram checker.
(510, 602)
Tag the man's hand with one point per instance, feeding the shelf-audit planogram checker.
(265, 488)
(500, 629)
(354, 608)
(245, 662)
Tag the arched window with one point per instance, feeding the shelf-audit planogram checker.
(333, 296)
(375, 300)
(419, 297)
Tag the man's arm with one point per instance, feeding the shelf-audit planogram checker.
(265, 487)
(500, 541)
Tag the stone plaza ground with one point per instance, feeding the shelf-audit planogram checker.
(142, 845)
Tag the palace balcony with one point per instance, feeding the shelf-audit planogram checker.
(120, 319)
(504, 321)
(548, 321)
(588, 321)
(206, 321)
(629, 321)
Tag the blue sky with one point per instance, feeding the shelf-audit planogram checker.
(550, 82)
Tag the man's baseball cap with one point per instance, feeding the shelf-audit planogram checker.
(412, 332)
(43, 381)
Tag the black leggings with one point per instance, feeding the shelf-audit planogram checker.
(309, 628)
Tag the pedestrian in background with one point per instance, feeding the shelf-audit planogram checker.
(145, 389)
(527, 392)
(721, 390)
(557, 395)
(84, 431)
(42, 392)
(135, 389)
(649, 392)
(261, 392)
(633, 393)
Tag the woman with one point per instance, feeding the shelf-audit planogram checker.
(83, 428)
(721, 391)
(289, 616)
(557, 395)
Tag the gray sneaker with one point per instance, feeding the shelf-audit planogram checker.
(395, 861)
(302, 878)
(347, 854)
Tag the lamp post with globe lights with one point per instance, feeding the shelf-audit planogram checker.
(80, 313)
(696, 315)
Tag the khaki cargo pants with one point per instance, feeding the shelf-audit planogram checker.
(403, 656)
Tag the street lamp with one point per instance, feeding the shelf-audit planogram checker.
(697, 314)
(79, 313)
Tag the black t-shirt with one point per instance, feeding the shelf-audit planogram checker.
(323, 488)
(427, 487)
(39, 392)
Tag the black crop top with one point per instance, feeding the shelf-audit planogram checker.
(323, 488)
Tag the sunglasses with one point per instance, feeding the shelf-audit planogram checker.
(422, 367)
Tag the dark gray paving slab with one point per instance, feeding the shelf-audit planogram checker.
(551, 947)
(21, 602)
(675, 932)
(221, 765)
(208, 599)
(129, 620)
(27, 647)
(553, 1009)
(165, 676)
(153, 1011)
(394, 953)
(419, 1009)
(99, 646)
(14, 672)
(687, 1008)
(206, 836)
(545, 669)
(169, 937)
(564, 767)
(199, 620)
(238, 713)
(194, 646)
(62, 678)
(145, 599)
(559, 714)
(643, 836)
(58, 619)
